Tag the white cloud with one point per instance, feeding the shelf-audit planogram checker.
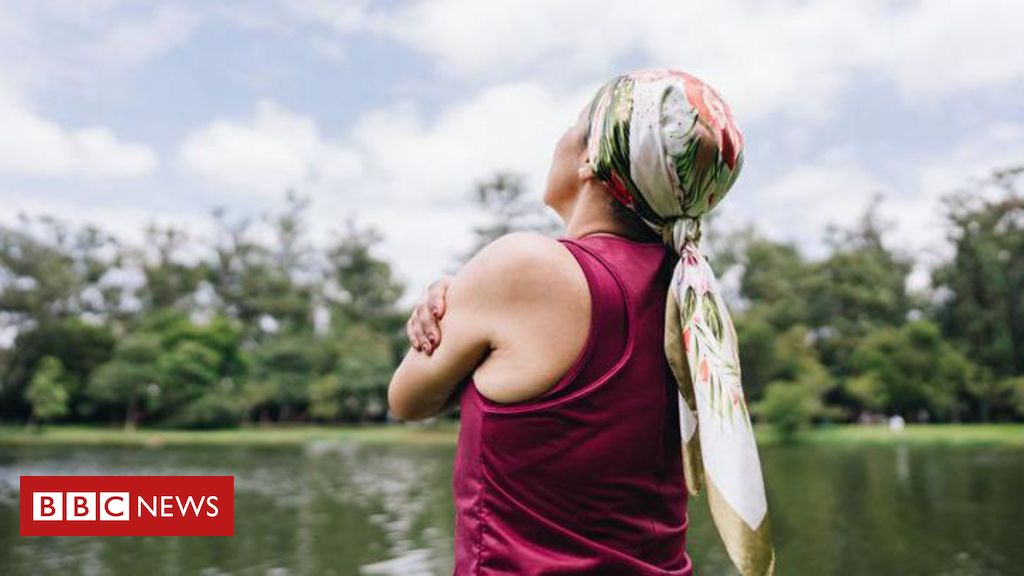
(36, 146)
(73, 44)
(132, 42)
(524, 69)
(836, 187)
(125, 222)
(792, 58)
(420, 176)
(942, 48)
(512, 127)
(491, 38)
(342, 16)
(832, 188)
(930, 178)
(271, 151)
(80, 44)
(411, 178)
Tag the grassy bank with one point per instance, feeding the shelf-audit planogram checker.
(445, 434)
(920, 434)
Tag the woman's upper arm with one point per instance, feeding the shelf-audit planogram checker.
(479, 294)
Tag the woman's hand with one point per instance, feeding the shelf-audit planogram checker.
(423, 328)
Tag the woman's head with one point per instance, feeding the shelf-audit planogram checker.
(661, 143)
(571, 172)
(565, 177)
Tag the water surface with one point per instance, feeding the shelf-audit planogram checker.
(351, 508)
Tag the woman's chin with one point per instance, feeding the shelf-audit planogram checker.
(547, 199)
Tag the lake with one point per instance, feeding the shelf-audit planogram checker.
(353, 508)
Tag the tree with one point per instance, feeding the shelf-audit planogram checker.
(171, 280)
(283, 368)
(214, 328)
(981, 290)
(910, 368)
(793, 398)
(130, 381)
(199, 371)
(1016, 386)
(268, 288)
(80, 347)
(50, 273)
(789, 355)
(47, 393)
(789, 406)
(174, 370)
(859, 287)
(991, 395)
(775, 281)
(357, 386)
(503, 199)
(362, 286)
(56, 299)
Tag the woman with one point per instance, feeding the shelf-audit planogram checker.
(587, 395)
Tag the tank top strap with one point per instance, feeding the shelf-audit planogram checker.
(607, 334)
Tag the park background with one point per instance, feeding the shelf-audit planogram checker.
(217, 218)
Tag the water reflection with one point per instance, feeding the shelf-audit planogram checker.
(326, 509)
(348, 508)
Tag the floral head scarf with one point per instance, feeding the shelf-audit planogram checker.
(667, 146)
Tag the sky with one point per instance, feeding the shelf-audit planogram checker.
(122, 113)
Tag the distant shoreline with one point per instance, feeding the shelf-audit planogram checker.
(446, 433)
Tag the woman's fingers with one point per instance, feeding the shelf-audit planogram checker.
(418, 327)
(423, 326)
(412, 331)
(436, 296)
(426, 327)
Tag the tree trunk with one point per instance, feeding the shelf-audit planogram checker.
(131, 414)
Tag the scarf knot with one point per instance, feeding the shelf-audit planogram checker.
(679, 231)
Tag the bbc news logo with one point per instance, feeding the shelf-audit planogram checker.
(127, 505)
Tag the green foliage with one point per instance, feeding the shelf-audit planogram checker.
(357, 386)
(326, 396)
(47, 392)
(788, 406)
(990, 395)
(129, 380)
(203, 342)
(260, 284)
(269, 326)
(80, 347)
(365, 289)
(53, 273)
(982, 286)
(794, 396)
(219, 405)
(775, 279)
(908, 369)
(283, 368)
(859, 288)
(1016, 386)
(769, 355)
(171, 281)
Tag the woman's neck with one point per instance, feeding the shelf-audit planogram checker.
(592, 214)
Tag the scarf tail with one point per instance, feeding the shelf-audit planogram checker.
(719, 449)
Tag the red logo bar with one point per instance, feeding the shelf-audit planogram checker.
(127, 505)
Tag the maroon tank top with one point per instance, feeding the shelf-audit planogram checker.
(586, 478)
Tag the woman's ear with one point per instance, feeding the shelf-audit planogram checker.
(586, 171)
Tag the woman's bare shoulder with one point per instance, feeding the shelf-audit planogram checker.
(526, 265)
(538, 314)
